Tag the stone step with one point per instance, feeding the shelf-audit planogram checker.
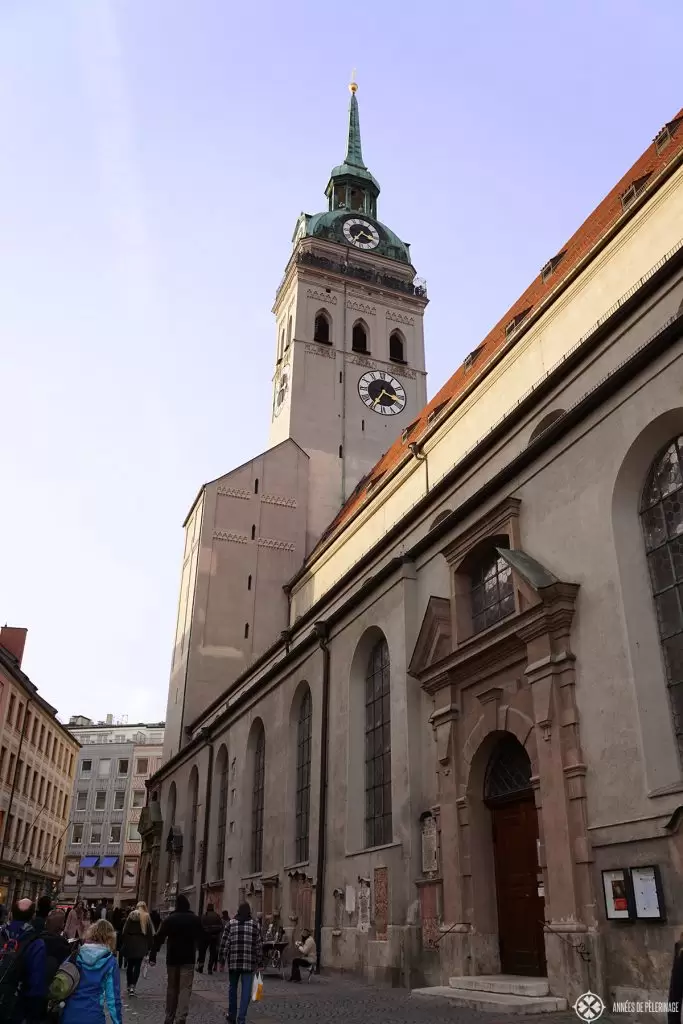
(497, 1002)
(506, 984)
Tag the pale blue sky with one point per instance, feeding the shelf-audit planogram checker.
(155, 156)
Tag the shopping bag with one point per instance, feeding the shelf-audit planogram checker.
(145, 967)
(257, 988)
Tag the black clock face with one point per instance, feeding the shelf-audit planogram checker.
(382, 393)
(361, 233)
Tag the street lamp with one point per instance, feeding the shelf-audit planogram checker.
(27, 867)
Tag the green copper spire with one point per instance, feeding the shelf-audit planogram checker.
(351, 186)
(354, 153)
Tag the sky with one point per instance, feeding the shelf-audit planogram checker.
(155, 156)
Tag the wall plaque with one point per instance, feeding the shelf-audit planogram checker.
(364, 906)
(430, 846)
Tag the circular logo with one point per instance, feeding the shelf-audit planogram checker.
(589, 1007)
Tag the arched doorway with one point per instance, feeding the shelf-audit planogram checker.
(509, 797)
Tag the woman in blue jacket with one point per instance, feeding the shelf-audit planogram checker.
(99, 982)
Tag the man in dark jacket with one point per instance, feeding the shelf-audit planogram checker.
(43, 908)
(183, 932)
(28, 966)
(213, 926)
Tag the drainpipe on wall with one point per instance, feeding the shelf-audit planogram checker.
(421, 457)
(321, 631)
(207, 814)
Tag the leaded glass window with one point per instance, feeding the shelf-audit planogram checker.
(378, 825)
(303, 776)
(492, 594)
(508, 773)
(192, 844)
(222, 811)
(257, 803)
(661, 515)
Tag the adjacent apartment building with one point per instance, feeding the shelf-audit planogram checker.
(38, 758)
(103, 850)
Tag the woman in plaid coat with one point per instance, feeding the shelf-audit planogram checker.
(241, 950)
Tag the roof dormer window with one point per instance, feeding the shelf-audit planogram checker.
(550, 267)
(634, 190)
(516, 322)
(666, 134)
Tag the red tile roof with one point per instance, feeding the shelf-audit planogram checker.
(593, 230)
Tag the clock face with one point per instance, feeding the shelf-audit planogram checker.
(382, 393)
(361, 233)
(281, 387)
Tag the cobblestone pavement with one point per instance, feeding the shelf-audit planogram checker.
(325, 998)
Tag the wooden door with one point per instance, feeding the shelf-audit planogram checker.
(520, 908)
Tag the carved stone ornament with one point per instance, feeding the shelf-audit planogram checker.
(236, 538)
(314, 293)
(400, 318)
(442, 721)
(233, 492)
(321, 350)
(361, 307)
(276, 499)
(277, 545)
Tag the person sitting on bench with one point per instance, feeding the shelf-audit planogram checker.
(307, 955)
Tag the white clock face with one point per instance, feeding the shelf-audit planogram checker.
(382, 393)
(361, 233)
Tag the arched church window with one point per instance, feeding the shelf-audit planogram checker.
(193, 804)
(289, 333)
(378, 823)
(257, 799)
(661, 514)
(492, 593)
(359, 337)
(222, 773)
(546, 422)
(303, 775)
(508, 773)
(396, 347)
(321, 328)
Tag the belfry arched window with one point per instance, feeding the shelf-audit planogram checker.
(397, 347)
(359, 337)
(378, 823)
(492, 590)
(321, 328)
(289, 333)
(258, 793)
(303, 776)
(661, 513)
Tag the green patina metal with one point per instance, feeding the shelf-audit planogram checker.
(352, 191)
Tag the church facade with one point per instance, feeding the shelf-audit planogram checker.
(451, 739)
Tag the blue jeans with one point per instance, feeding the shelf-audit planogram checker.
(245, 996)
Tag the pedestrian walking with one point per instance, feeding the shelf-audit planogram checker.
(183, 934)
(225, 921)
(43, 908)
(156, 919)
(99, 984)
(307, 954)
(213, 928)
(22, 968)
(242, 952)
(137, 937)
(57, 948)
(76, 923)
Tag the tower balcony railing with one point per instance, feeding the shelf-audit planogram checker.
(417, 287)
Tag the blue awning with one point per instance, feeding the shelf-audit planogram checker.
(89, 862)
(108, 862)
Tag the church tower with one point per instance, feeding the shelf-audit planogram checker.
(349, 362)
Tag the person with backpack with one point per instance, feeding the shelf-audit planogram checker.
(22, 968)
(137, 936)
(183, 932)
(98, 983)
(57, 948)
(242, 951)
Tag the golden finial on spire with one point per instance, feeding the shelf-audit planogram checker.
(353, 85)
